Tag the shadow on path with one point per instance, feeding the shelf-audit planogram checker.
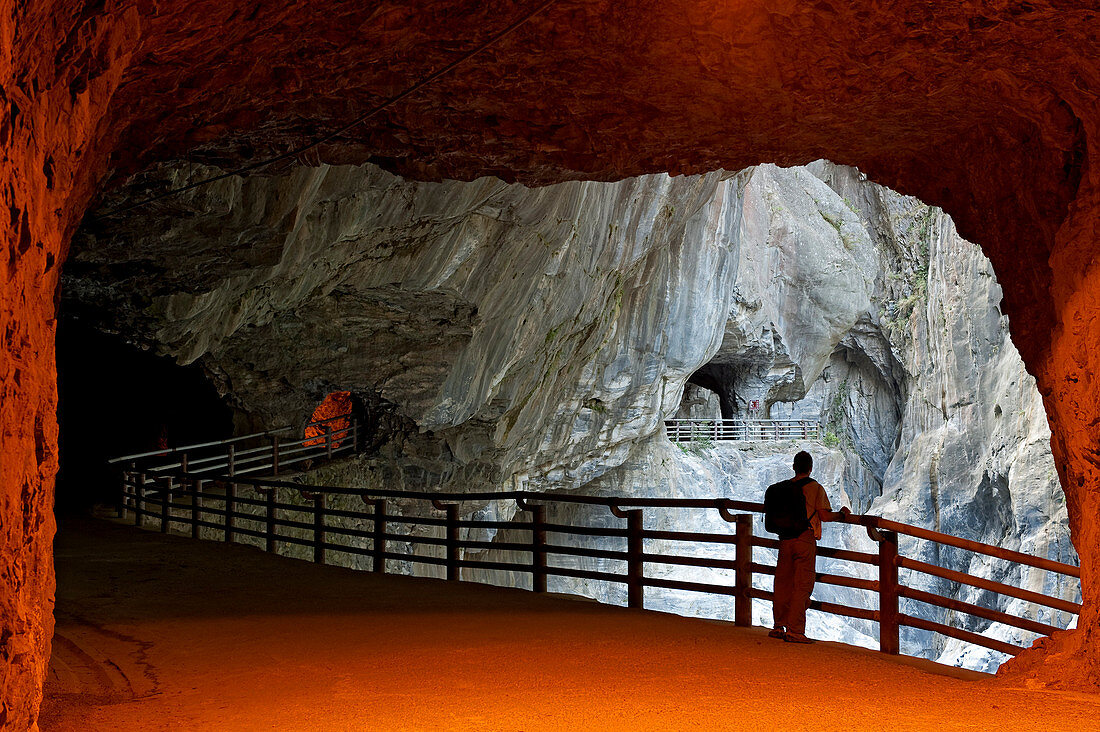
(158, 632)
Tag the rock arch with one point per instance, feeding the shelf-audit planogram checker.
(986, 111)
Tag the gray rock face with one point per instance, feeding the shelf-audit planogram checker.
(537, 331)
(540, 336)
(936, 421)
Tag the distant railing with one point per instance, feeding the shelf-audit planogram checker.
(718, 430)
(235, 456)
(231, 505)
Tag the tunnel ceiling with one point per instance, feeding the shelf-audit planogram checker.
(971, 106)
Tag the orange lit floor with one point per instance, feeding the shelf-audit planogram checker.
(165, 633)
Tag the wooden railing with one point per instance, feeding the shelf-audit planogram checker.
(717, 430)
(388, 526)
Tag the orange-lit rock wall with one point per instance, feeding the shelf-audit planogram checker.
(985, 107)
(58, 69)
(1068, 376)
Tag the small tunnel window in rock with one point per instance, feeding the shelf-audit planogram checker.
(334, 413)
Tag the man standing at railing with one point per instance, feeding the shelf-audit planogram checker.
(794, 510)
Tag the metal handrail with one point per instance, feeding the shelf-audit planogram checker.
(139, 496)
(879, 523)
(741, 420)
(719, 430)
(264, 459)
(197, 446)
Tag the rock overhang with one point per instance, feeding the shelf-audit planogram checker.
(974, 108)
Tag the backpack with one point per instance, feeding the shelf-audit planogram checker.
(785, 508)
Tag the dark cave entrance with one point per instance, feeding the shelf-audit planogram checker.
(115, 399)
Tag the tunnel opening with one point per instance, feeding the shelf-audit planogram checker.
(826, 293)
(1015, 175)
(116, 399)
(765, 366)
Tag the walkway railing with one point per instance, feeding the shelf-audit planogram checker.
(441, 529)
(716, 430)
(335, 436)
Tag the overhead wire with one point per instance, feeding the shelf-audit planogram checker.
(443, 71)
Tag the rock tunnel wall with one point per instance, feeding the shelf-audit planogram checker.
(985, 109)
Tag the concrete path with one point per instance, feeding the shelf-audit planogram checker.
(161, 632)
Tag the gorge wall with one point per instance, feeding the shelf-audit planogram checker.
(986, 109)
(900, 350)
(502, 334)
(502, 329)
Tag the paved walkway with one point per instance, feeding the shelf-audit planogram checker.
(164, 633)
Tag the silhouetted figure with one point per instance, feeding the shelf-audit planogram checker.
(794, 510)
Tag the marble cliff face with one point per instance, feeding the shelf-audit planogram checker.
(500, 333)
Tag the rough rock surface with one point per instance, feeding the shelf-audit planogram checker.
(532, 330)
(986, 109)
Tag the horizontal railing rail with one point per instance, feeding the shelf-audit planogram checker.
(362, 522)
(720, 430)
(333, 437)
(196, 446)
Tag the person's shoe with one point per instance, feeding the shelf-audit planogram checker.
(776, 633)
(796, 638)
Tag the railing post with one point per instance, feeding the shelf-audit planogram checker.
(183, 462)
(230, 494)
(452, 541)
(742, 603)
(165, 500)
(139, 502)
(319, 528)
(196, 488)
(275, 455)
(379, 549)
(328, 441)
(120, 508)
(230, 508)
(538, 548)
(354, 435)
(888, 635)
(270, 534)
(635, 569)
(129, 477)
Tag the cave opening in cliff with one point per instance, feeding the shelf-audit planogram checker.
(115, 399)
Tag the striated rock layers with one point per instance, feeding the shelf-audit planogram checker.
(885, 326)
(987, 109)
(529, 330)
(541, 335)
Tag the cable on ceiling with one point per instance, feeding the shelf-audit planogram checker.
(340, 131)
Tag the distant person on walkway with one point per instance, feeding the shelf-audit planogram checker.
(794, 510)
